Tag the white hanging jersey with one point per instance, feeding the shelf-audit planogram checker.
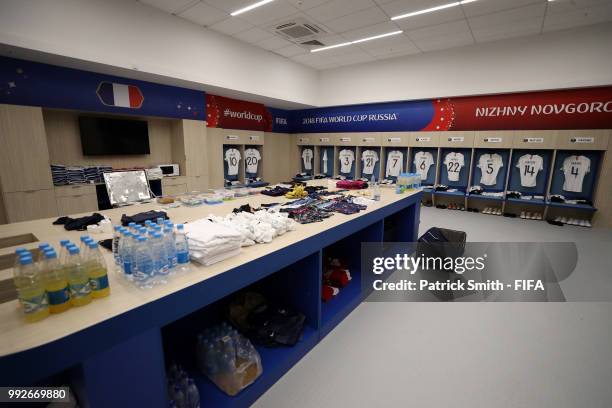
(232, 157)
(422, 163)
(252, 158)
(395, 163)
(529, 165)
(346, 157)
(307, 158)
(325, 161)
(489, 165)
(369, 159)
(454, 162)
(574, 169)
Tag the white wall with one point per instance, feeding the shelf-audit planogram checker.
(567, 59)
(127, 34)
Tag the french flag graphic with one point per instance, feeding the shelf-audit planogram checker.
(120, 95)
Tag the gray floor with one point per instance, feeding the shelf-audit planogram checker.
(464, 354)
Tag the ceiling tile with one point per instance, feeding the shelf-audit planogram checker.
(269, 12)
(169, 6)
(253, 35)
(564, 6)
(528, 26)
(376, 29)
(508, 17)
(291, 51)
(230, 6)
(315, 60)
(356, 20)
(586, 16)
(353, 59)
(400, 53)
(273, 43)
(338, 8)
(479, 8)
(203, 14)
(429, 19)
(231, 26)
(307, 4)
(392, 45)
(397, 7)
(442, 36)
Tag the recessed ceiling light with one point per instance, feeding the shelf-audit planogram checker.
(251, 7)
(432, 9)
(357, 41)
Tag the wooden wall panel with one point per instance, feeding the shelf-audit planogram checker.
(64, 141)
(277, 157)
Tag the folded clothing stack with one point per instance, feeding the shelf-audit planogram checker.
(352, 184)
(59, 174)
(258, 227)
(76, 175)
(276, 191)
(211, 242)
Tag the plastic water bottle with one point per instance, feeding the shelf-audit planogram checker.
(56, 283)
(41, 251)
(116, 238)
(144, 263)
(126, 251)
(19, 252)
(170, 243)
(158, 248)
(193, 395)
(30, 290)
(83, 239)
(376, 189)
(63, 252)
(182, 248)
(179, 397)
(97, 272)
(80, 291)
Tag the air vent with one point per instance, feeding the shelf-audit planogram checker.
(312, 42)
(298, 30)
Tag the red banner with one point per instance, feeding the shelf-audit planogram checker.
(587, 108)
(230, 113)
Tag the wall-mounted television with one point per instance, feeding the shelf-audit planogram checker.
(102, 136)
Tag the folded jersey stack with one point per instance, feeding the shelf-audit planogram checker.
(211, 242)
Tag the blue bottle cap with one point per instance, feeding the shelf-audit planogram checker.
(50, 254)
(156, 235)
(142, 239)
(117, 227)
(43, 245)
(93, 245)
(179, 226)
(127, 233)
(20, 251)
(25, 260)
(73, 250)
(160, 219)
(131, 224)
(84, 238)
(64, 242)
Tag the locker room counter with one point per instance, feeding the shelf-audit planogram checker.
(18, 336)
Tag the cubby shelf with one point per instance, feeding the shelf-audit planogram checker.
(584, 207)
(528, 202)
(450, 193)
(481, 197)
(275, 362)
(337, 308)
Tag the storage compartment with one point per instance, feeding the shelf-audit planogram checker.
(296, 287)
(348, 251)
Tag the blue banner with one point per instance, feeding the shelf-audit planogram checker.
(380, 117)
(35, 84)
(280, 120)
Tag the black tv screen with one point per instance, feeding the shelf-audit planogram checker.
(110, 136)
